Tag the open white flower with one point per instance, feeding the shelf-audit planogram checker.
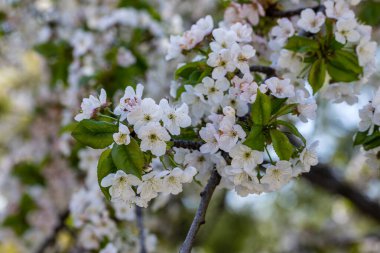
(175, 118)
(283, 30)
(245, 158)
(309, 157)
(280, 88)
(91, 106)
(277, 175)
(241, 55)
(151, 185)
(366, 51)
(229, 133)
(310, 21)
(224, 39)
(214, 90)
(172, 183)
(222, 62)
(346, 31)
(121, 186)
(148, 111)
(129, 101)
(122, 137)
(208, 134)
(153, 137)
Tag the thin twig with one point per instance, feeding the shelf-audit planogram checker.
(140, 225)
(275, 13)
(200, 216)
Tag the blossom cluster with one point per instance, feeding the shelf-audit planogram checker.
(348, 34)
(153, 124)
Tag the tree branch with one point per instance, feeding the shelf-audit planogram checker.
(53, 236)
(140, 225)
(322, 176)
(272, 11)
(200, 215)
(269, 71)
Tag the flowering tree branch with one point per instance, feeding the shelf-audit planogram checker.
(140, 225)
(272, 11)
(200, 215)
(322, 176)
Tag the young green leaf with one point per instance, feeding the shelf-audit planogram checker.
(301, 44)
(261, 109)
(345, 60)
(256, 138)
(281, 144)
(95, 134)
(129, 158)
(105, 167)
(286, 109)
(292, 128)
(360, 138)
(341, 75)
(317, 75)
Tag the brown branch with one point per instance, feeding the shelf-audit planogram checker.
(272, 11)
(140, 225)
(200, 216)
(53, 236)
(269, 71)
(322, 176)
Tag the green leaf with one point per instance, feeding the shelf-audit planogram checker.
(369, 12)
(129, 158)
(301, 44)
(281, 144)
(317, 75)
(277, 103)
(286, 109)
(95, 134)
(360, 138)
(256, 138)
(345, 60)
(261, 109)
(28, 173)
(339, 75)
(292, 128)
(105, 167)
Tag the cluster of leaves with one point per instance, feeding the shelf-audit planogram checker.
(265, 126)
(323, 54)
(99, 135)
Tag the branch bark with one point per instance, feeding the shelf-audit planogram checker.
(322, 176)
(200, 216)
(272, 11)
(140, 225)
(269, 71)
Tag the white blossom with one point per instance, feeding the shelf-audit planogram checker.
(122, 137)
(153, 137)
(90, 106)
(310, 21)
(175, 118)
(129, 101)
(277, 175)
(148, 111)
(121, 186)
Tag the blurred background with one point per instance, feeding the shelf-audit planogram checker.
(54, 53)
